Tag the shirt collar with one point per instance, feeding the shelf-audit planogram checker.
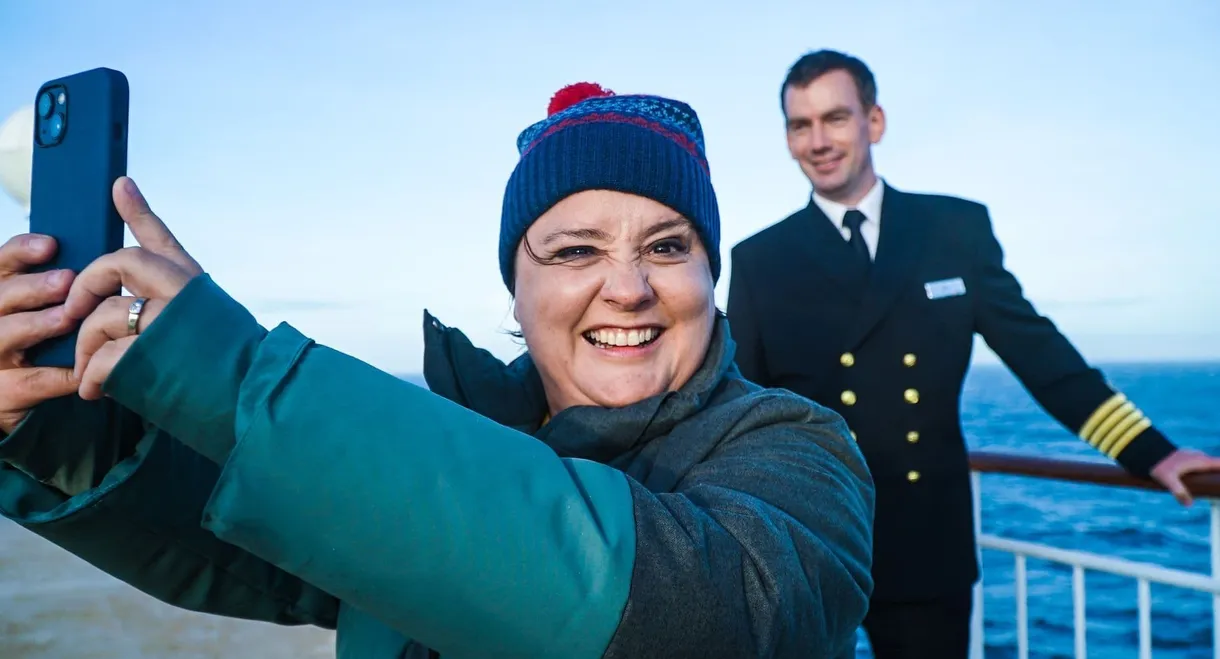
(870, 205)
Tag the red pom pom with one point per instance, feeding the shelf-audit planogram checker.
(573, 94)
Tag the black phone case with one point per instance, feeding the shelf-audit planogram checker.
(71, 194)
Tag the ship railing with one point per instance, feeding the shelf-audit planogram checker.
(1205, 488)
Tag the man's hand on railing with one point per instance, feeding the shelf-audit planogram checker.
(1169, 471)
(1184, 473)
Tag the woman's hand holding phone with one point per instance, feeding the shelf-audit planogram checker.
(31, 311)
(35, 307)
(154, 273)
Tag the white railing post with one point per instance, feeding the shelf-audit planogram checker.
(1145, 614)
(1078, 611)
(977, 642)
(1215, 549)
(1022, 610)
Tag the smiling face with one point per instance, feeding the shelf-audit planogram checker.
(830, 134)
(614, 296)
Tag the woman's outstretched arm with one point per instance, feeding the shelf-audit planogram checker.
(478, 540)
(96, 480)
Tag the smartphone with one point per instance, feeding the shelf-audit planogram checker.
(80, 149)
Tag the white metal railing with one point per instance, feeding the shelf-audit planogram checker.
(1144, 574)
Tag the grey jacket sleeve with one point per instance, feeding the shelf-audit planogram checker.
(765, 550)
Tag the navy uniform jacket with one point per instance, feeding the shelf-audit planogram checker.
(890, 354)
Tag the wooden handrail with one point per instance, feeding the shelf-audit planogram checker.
(1078, 471)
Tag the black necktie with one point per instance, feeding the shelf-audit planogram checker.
(853, 219)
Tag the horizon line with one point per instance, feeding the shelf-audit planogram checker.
(994, 363)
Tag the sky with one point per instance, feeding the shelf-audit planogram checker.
(340, 166)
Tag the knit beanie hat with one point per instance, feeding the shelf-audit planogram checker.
(594, 139)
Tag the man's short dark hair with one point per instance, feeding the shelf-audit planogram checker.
(814, 65)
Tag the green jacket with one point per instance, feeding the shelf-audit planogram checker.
(256, 474)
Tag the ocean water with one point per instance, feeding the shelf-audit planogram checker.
(998, 415)
(52, 605)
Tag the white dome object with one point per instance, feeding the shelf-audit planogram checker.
(17, 155)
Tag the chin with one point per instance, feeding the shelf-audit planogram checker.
(830, 184)
(617, 393)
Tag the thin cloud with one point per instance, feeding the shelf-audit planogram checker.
(1091, 303)
(290, 305)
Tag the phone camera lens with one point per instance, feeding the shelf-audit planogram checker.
(56, 126)
(45, 104)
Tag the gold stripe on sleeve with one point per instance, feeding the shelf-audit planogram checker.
(1114, 425)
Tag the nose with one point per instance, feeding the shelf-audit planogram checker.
(817, 138)
(627, 287)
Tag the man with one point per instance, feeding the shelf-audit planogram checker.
(867, 301)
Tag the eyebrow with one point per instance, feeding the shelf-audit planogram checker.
(666, 225)
(599, 235)
(797, 122)
(838, 109)
(581, 234)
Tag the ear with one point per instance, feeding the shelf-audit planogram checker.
(876, 124)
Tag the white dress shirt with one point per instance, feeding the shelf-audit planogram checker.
(870, 206)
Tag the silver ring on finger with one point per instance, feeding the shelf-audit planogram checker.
(133, 315)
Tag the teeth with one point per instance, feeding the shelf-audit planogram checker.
(619, 337)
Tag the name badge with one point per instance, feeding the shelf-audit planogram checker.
(945, 288)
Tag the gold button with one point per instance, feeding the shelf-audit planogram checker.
(912, 437)
(911, 395)
(912, 476)
(847, 359)
(853, 436)
(908, 359)
(848, 397)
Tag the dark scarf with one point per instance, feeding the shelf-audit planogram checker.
(512, 394)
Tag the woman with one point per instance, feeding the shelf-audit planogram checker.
(617, 491)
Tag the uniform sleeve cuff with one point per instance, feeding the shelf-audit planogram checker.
(1145, 451)
(1120, 430)
(184, 372)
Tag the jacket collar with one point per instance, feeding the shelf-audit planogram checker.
(512, 394)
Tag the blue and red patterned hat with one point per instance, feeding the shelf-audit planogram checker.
(592, 139)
